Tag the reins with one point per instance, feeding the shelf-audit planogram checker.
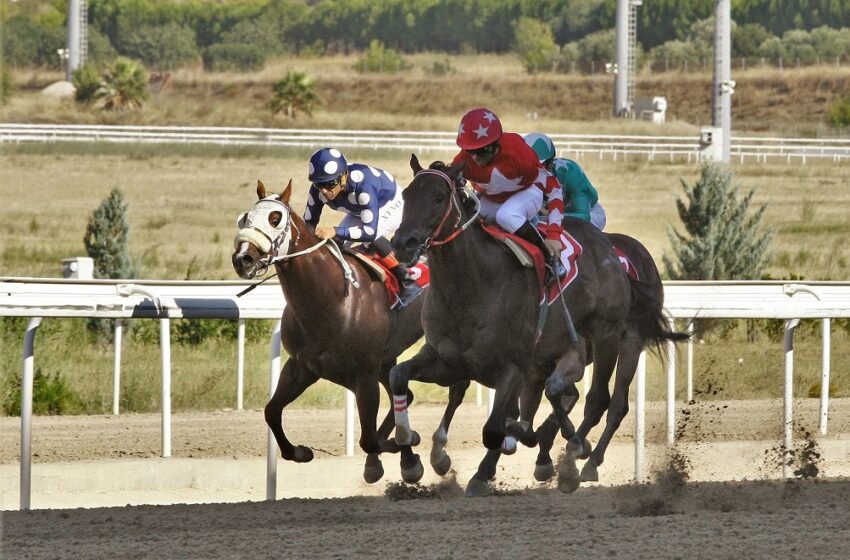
(457, 228)
(272, 257)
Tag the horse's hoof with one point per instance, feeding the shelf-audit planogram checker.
(441, 465)
(509, 445)
(388, 446)
(575, 449)
(415, 439)
(568, 475)
(544, 472)
(373, 473)
(477, 488)
(589, 473)
(568, 485)
(302, 454)
(412, 473)
(529, 439)
(587, 449)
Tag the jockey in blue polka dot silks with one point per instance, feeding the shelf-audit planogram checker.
(372, 200)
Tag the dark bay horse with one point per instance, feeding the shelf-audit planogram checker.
(337, 323)
(646, 327)
(481, 317)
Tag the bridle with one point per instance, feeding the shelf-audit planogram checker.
(454, 204)
(259, 232)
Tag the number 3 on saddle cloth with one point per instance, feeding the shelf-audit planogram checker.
(419, 272)
(569, 255)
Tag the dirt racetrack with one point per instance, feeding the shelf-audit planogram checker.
(721, 499)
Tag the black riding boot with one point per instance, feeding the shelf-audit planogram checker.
(407, 286)
(555, 269)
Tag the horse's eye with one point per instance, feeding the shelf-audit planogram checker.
(440, 198)
(274, 218)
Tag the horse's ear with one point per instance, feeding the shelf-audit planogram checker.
(261, 190)
(287, 192)
(414, 164)
(455, 170)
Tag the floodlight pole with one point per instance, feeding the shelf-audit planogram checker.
(723, 86)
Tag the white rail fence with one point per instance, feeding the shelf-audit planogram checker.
(40, 298)
(579, 145)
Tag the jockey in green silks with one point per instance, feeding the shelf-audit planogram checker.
(581, 200)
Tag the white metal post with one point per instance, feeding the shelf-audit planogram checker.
(824, 382)
(165, 344)
(116, 367)
(640, 400)
(271, 444)
(240, 362)
(491, 397)
(788, 396)
(671, 388)
(349, 423)
(690, 360)
(27, 376)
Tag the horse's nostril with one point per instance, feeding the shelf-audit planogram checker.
(246, 259)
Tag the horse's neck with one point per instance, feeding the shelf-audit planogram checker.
(466, 264)
(313, 281)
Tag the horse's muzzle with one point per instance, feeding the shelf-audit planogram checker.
(407, 248)
(244, 265)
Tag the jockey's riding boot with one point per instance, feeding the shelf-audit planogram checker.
(408, 289)
(554, 267)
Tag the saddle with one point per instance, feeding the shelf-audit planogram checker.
(419, 272)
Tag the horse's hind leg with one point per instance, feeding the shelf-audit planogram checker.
(294, 379)
(562, 394)
(479, 484)
(440, 460)
(630, 350)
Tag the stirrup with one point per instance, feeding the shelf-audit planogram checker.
(408, 293)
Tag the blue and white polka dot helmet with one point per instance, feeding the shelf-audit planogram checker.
(326, 165)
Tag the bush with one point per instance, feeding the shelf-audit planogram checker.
(87, 81)
(747, 38)
(100, 50)
(723, 242)
(838, 113)
(534, 44)
(5, 85)
(27, 43)
(163, 47)
(295, 92)
(377, 58)
(124, 86)
(233, 57)
(50, 395)
(106, 238)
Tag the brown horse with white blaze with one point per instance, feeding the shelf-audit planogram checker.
(337, 323)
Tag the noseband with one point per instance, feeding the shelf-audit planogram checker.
(453, 204)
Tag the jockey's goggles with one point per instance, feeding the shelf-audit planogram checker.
(329, 185)
(483, 151)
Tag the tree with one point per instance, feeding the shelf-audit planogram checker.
(722, 242)
(106, 238)
(534, 44)
(295, 92)
(125, 86)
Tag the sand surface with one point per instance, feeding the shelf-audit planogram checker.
(722, 499)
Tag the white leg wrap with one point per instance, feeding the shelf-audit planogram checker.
(403, 433)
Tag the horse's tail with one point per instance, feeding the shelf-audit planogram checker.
(647, 314)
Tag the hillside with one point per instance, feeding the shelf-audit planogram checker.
(790, 102)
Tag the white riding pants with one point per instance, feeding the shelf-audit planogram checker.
(515, 211)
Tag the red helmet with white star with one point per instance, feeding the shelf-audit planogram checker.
(478, 128)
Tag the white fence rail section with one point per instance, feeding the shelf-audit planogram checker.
(579, 145)
(39, 298)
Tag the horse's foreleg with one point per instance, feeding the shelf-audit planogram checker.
(368, 395)
(400, 376)
(562, 394)
(529, 403)
(507, 394)
(440, 460)
(479, 484)
(630, 349)
(294, 379)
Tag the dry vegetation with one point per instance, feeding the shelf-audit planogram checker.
(790, 102)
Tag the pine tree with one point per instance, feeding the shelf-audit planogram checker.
(106, 239)
(722, 242)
